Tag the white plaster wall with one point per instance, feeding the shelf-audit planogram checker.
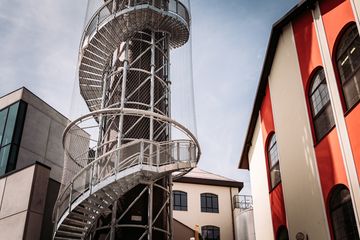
(356, 8)
(301, 186)
(244, 224)
(259, 187)
(194, 216)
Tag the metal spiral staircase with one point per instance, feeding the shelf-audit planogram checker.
(118, 185)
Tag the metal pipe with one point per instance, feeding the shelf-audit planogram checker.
(171, 207)
(113, 221)
(150, 210)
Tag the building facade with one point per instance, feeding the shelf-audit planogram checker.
(302, 144)
(204, 202)
(31, 162)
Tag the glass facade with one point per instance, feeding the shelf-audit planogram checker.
(11, 125)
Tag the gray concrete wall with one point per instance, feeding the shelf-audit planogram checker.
(42, 136)
(42, 133)
(22, 202)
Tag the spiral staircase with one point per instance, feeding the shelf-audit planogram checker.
(134, 145)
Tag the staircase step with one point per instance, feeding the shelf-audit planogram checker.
(80, 217)
(76, 222)
(93, 206)
(86, 211)
(76, 229)
(66, 238)
(70, 234)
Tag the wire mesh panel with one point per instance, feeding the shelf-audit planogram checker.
(126, 141)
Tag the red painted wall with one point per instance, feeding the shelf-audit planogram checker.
(276, 195)
(327, 151)
(336, 16)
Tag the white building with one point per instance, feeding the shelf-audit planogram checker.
(204, 201)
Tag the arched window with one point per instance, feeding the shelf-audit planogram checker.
(282, 233)
(210, 232)
(342, 214)
(348, 63)
(323, 118)
(180, 200)
(209, 203)
(273, 158)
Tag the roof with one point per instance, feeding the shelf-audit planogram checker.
(199, 176)
(267, 65)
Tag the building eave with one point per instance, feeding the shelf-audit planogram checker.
(211, 182)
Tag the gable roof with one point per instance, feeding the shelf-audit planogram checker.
(269, 58)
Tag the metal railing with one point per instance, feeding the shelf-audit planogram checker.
(243, 202)
(140, 152)
(110, 7)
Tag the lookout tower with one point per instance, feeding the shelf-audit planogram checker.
(123, 153)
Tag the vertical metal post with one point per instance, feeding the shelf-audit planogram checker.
(70, 196)
(101, 123)
(170, 210)
(122, 100)
(150, 210)
(158, 155)
(152, 89)
(113, 221)
(91, 177)
(141, 152)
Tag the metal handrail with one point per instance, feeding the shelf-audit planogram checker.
(121, 166)
(243, 202)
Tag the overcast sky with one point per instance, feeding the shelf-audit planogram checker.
(39, 42)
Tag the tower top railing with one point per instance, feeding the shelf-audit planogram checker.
(113, 6)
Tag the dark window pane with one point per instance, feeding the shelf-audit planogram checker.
(273, 158)
(210, 232)
(322, 115)
(283, 234)
(342, 215)
(348, 62)
(3, 115)
(10, 124)
(351, 91)
(177, 200)
(20, 119)
(180, 200)
(275, 175)
(11, 163)
(209, 203)
(4, 155)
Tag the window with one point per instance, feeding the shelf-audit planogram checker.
(180, 200)
(209, 203)
(11, 124)
(273, 158)
(342, 214)
(282, 233)
(348, 63)
(210, 232)
(322, 115)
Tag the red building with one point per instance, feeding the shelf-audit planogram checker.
(303, 141)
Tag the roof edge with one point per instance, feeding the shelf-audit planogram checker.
(212, 182)
(267, 65)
